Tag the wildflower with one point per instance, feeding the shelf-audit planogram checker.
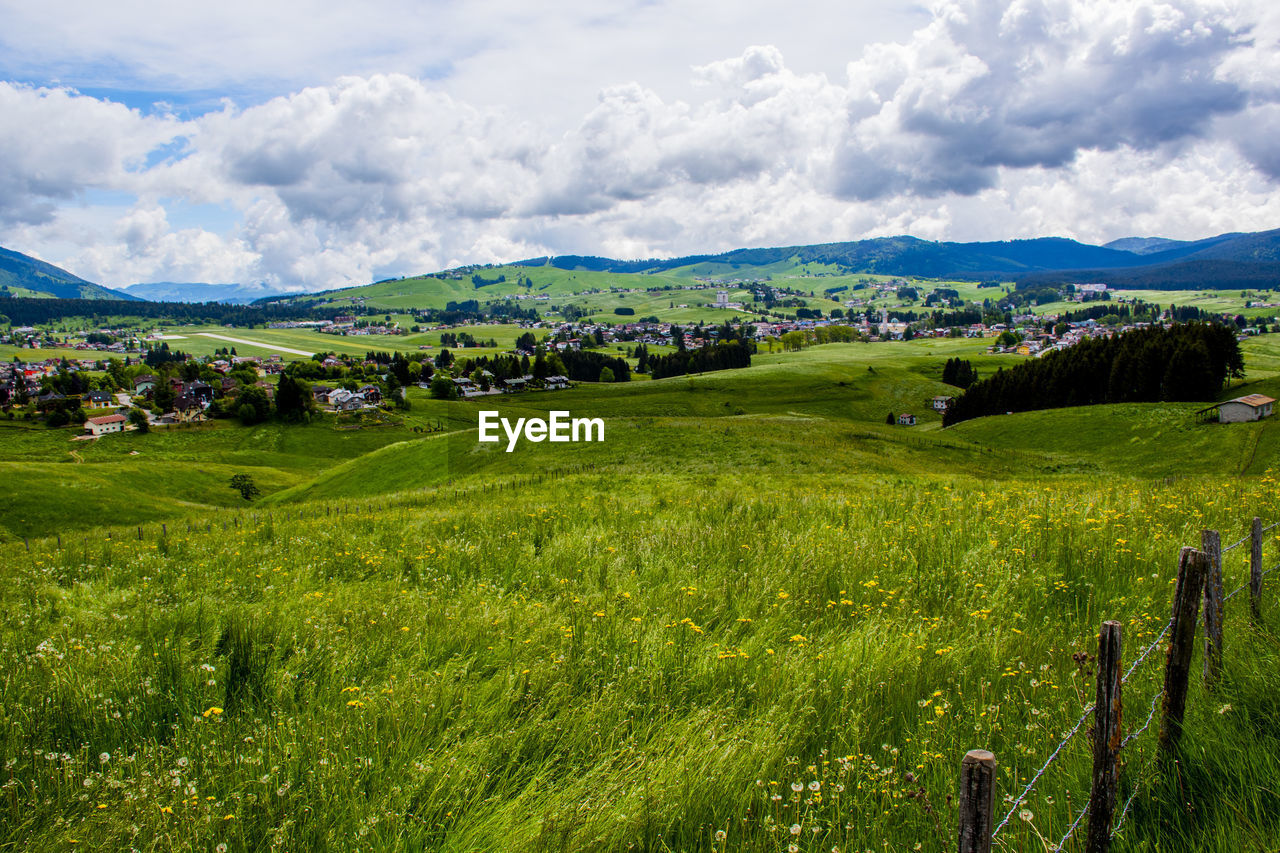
(795, 829)
(815, 785)
(797, 786)
(213, 711)
(720, 835)
(104, 758)
(1026, 814)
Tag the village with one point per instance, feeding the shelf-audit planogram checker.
(125, 378)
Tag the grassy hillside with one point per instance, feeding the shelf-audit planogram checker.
(755, 609)
(26, 276)
(618, 657)
(658, 294)
(54, 485)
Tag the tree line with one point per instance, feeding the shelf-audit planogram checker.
(23, 311)
(1181, 362)
(725, 355)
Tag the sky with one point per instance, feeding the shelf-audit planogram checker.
(305, 144)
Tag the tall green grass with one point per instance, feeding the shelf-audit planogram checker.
(612, 660)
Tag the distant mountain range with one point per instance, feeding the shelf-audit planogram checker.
(1228, 261)
(170, 291)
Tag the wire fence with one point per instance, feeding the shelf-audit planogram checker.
(980, 842)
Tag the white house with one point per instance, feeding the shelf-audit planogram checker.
(105, 424)
(906, 419)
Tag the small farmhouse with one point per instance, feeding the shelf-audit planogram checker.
(906, 419)
(1249, 408)
(104, 425)
(941, 402)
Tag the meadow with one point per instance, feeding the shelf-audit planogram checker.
(756, 616)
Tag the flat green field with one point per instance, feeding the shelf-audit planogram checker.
(755, 616)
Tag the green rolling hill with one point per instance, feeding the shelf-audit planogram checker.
(24, 275)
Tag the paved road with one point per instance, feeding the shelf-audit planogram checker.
(258, 344)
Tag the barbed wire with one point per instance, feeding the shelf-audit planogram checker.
(1147, 651)
(1027, 790)
(1071, 830)
(1151, 713)
(1124, 812)
(1242, 586)
(1234, 545)
(1155, 700)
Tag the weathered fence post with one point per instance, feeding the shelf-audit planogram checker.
(977, 801)
(1255, 569)
(164, 530)
(1192, 568)
(139, 534)
(1211, 545)
(1107, 727)
(27, 542)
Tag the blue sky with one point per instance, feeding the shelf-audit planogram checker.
(315, 144)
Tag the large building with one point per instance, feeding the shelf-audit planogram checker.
(104, 425)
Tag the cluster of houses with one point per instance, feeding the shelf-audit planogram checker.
(123, 341)
(939, 404)
(344, 325)
(18, 378)
(343, 400)
(467, 387)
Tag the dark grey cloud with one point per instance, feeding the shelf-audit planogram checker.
(1032, 84)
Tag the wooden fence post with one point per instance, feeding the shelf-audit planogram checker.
(1211, 545)
(1255, 569)
(1192, 568)
(977, 801)
(1107, 729)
